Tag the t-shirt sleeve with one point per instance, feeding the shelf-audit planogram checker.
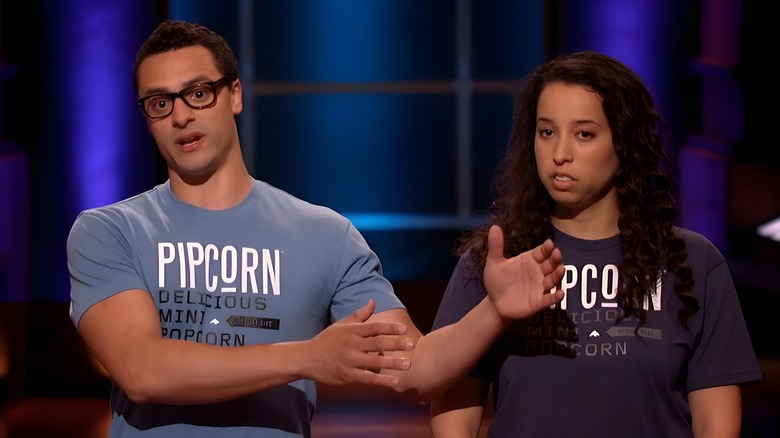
(100, 263)
(360, 279)
(724, 354)
(463, 293)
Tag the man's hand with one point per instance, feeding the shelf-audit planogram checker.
(346, 351)
(519, 287)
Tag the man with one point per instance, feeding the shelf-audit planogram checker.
(211, 298)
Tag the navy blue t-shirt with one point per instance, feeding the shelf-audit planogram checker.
(572, 371)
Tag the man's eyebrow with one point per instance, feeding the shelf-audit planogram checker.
(162, 90)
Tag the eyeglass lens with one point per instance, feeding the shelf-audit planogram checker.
(198, 96)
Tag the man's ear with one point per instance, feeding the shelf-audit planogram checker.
(236, 99)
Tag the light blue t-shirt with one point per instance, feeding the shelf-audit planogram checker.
(271, 269)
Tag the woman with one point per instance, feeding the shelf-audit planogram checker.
(649, 339)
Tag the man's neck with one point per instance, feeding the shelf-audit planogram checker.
(221, 190)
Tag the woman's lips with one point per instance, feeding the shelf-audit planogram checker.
(563, 182)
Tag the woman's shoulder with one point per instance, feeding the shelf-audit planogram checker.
(693, 237)
(699, 247)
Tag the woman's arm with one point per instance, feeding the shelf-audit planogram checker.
(458, 413)
(518, 287)
(716, 412)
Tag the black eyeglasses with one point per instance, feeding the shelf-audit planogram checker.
(198, 96)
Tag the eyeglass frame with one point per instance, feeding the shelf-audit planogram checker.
(224, 80)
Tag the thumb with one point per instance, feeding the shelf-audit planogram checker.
(362, 314)
(495, 243)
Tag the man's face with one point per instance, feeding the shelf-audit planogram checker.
(194, 142)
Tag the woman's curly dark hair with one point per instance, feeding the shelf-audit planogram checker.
(522, 206)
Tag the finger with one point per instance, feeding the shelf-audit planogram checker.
(386, 343)
(495, 242)
(548, 248)
(378, 328)
(544, 251)
(552, 298)
(549, 257)
(557, 256)
(375, 379)
(379, 362)
(553, 270)
(362, 314)
(554, 278)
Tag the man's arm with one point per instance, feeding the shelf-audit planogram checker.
(124, 333)
(517, 288)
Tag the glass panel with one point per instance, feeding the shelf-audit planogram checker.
(354, 40)
(492, 125)
(360, 152)
(508, 38)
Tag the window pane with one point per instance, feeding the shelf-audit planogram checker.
(354, 40)
(360, 152)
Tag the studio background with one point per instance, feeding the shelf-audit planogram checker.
(392, 112)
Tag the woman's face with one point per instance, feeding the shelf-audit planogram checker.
(574, 153)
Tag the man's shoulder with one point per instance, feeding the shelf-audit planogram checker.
(276, 199)
(140, 205)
